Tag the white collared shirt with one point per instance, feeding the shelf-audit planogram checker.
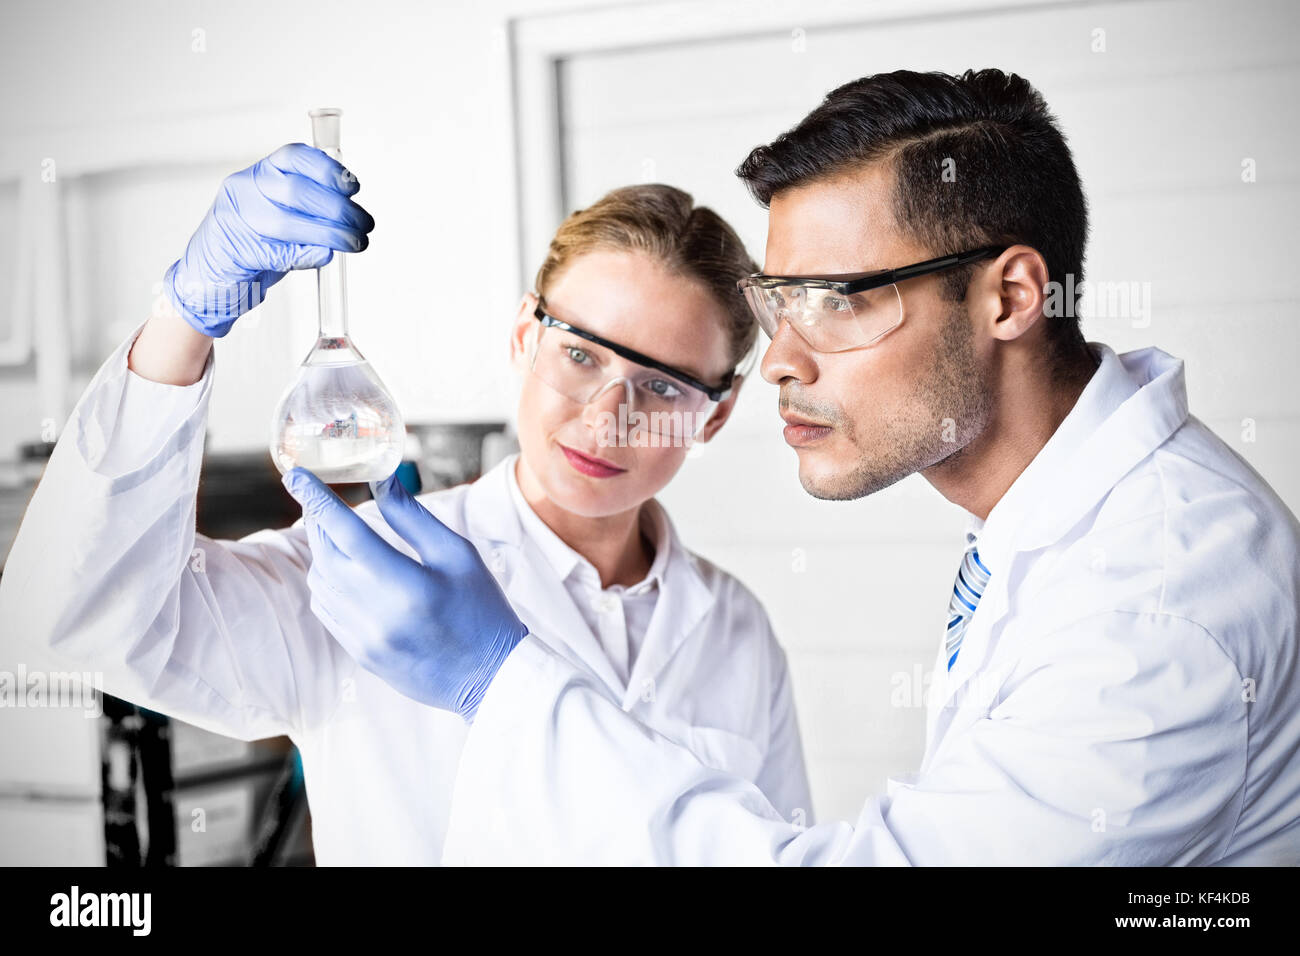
(618, 615)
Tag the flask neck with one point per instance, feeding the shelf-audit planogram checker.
(331, 279)
(332, 298)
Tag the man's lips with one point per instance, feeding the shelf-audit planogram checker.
(803, 431)
(590, 464)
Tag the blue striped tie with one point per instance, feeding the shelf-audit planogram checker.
(972, 580)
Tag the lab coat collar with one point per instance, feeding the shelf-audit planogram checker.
(565, 559)
(535, 585)
(527, 577)
(488, 515)
(684, 600)
(1140, 401)
(657, 527)
(1129, 408)
(1109, 387)
(562, 558)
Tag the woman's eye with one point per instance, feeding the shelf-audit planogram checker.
(835, 303)
(662, 388)
(577, 355)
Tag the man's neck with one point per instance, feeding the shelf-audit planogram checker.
(1027, 411)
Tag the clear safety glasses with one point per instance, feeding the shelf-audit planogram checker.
(658, 398)
(838, 313)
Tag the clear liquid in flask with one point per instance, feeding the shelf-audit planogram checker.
(337, 420)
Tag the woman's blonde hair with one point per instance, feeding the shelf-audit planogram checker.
(664, 223)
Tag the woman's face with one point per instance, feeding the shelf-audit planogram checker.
(630, 299)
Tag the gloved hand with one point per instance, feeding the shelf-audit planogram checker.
(290, 210)
(437, 631)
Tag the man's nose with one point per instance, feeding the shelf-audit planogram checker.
(788, 356)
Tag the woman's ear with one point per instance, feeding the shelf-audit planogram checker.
(521, 333)
(722, 412)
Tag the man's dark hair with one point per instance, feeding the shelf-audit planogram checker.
(1015, 180)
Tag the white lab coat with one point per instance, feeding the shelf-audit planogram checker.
(107, 574)
(1126, 692)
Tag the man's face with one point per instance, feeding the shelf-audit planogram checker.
(910, 400)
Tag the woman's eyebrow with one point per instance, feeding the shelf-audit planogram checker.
(587, 345)
(604, 353)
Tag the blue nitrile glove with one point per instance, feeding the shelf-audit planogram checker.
(437, 631)
(290, 210)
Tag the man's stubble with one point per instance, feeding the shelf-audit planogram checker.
(950, 406)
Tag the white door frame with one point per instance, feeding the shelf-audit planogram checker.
(539, 44)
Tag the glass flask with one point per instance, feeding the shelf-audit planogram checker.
(336, 419)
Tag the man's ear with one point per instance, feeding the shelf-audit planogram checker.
(722, 412)
(522, 332)
(1015, 290)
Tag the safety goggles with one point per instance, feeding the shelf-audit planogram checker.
(583, 366)
(841, 312)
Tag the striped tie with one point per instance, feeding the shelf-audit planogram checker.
(972, 579)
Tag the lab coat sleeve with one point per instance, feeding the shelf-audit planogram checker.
(107, 574)
(1119, 739)
(783, 776)
(554, 771)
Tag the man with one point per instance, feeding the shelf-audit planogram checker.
(1115, 685)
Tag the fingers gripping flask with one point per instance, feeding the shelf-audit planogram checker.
(336, 419)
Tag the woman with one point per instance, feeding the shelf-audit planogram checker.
(628, 348)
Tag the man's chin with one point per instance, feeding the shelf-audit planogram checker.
(820, 475)
(823, 476)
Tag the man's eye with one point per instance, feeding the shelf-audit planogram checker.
(836, 303)
(577, 355)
